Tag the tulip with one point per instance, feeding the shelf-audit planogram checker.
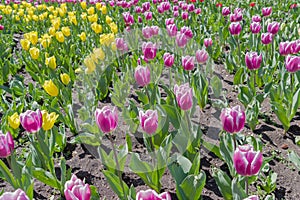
(292, 63)
(97, 28)
(225, 11)
(59, 36)
(147, 32)
(191, 7)
(235, 28)
(142, 75)
(197, 11)
(246, 161)
(175, 8)
(149, 121)
(286, 48)
(149, 50)
(76, 189)
(14, 121)
(89, 64)
(219, 5)
(51, 88)
(25, 44)
(66, 31)
(175, 14)
(181, 40)
(152, 195)
(16, 195)
(266, 38)
(184, 96)
(121, 44)
(233, 119)
(292, 6)
(155, 30)
(51, 62)
(255, 27)
(266, 11)
(253, 197)
(201, 56)
(33, 37)
(168, 59)
(31, 120)
(253, 60)
(172, 30)
(48, 119)
(187, 32)
(188, 62)
(146, 6)
(252, 4)
(107, 119)
(184, 15)
(6, 144)
(82, 36)
(169, 21)
(273, 27)
(165, 5)
(1, 17)
(34, 53)
(148, 15)
(65, 78)
(236, 17)
(256, 18)
(208, 42)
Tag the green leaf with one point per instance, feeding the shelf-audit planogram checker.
(172, 114)
(294, 158)
(114, 182)
(46, 177)
(94, 193)
(239, 76)
(87, 138)
(224, 183)
(7, 174)
(191, 187)
(217, 87)
(213, 148)
(179, 167)
(238, 191)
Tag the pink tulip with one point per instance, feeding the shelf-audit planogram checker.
(184, 15)
(128, 18)
(160, 9)
(266, 38)
(147, 32)
(225, 11)
(187, 32)
(172, 30)
(273, 27)
(155, 30)
(292, 63)
(140, 19)
(253, 60)
(246, 161)
(138, 9)
(168, 59)
(233, 119)
(184, 6)
(175, 14)
(184, 96)
(146, 6)
(296, 46)
(152, 195)
(181, 40)
(253, 197)
(16, 195)
(107, 119)
(191, 7)
(188, 62)
(169, 21)
(236, 16)
(235, 28)
(7, 144)
(197, 11)
(121, 44)
(255, 27)
(149, 121)
(256, 18)
(142, 75)
(286, 48)
(31, 121)
(266, 11)
(1, 27)
(201, 56)
(148, 15)
(149, 50)
(175, 8)
(76, 189)
(166, 5)
(208, 42)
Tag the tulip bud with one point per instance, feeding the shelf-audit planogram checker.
(31, 120)
(16, 195)
(148, 15)
(51, 62)
(188, 62)
(292, 63)
(273, 27)
(77, 189)
(151, 195)
(253, 61)
(51, 88)
(169, 21)
(187, 32)
(181, 40)
(128, 18)
(142, 76)
(236, 17)
(208, 42)
(225, 11)
(14, 121)
(184, 96)
(66, 31)
(147, 32)
(82, 36)
(168, 59)
(34, 53)
(197, 11)
(6, 144)
(149, 50)
(235, 28)
(121, 44)
(65, 78)
(266, 11)
(25, 44)
(266, 38)
(233, 119)
(255, 27)
(246, 161)
(59, 36)
(48, 119)
(286, 48)
(256, 18)
(107, 119)
(201, 56)
(172, 30)
(184, 15)
(149, 121)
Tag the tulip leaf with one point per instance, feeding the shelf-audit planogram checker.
(224, 183)
(217, 87)
(238, 191)
(191, 187)
(295, 159)
(239, 76)
(7, 175)
(115, 184)
(94, 193)
(172, 114)
(46, 177)
(226, 150)
(179, 167)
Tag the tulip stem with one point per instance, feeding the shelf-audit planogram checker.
(246, 185)
(117, 164)
(8, 161)
(170, 77)
(148, 95)
(234, 141)
(239, 49)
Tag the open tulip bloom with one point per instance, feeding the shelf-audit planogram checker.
(152, 195)
(31, 120)
(16, 195)
(107, 119)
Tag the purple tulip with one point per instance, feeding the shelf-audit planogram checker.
(235, 28)
(142, 76)
(152, 195)
(175, 8)
(187, 32)
(121, 44)
(31, 120)
(166, 5)
(273, 27)
(184, 6)
(149, 50)
(169, 21)
(188, 62)
(225, 11)
(253, 197)
(201, 56)
(255, 27)
(160, 9)
(140, 19)
(107, 119)
(253, 60)
(77, 189)
(128, 18)
(147, 32)
(138, 9)
(296, 46)
(172, 30)
(149, 121)
(184, 96)
(7, 144)
(208, 42)
(155, 30)
(175, 13)
(16, 195)
(184, 15)
(266, 11)
(256, 18)
(148, 15)
(292, 63)
(246, 161)
(168, 60)
(236, 17)
(233, 119)
(197, 11)
(191, 7)
(286, 48)
(266, 38)
(181, 40)
(146, 6)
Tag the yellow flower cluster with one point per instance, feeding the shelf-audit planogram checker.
(107, 39)
(93, 59)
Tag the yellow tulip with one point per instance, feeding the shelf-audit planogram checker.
(35, 18)
(51, 62)
(104, 10)
(82, 36)
(48, 119)
(52, 31)
(73, 19)
(51, 88)
(17, 18)
(108, 19)
(91, 10)
(25, 44)
(97, 28)
(113, 27)
(65, 78)
(83, 15)
(113, 46)
(93, 18)
(34, 37)
(34, 53)
(14, 121)
(60, 36)
(66, 31)
(56, 23)
(83, 5)
(99, 53)
(89, 63)
(98, 6)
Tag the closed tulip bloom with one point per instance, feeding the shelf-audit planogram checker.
(152, 195)
(48, 119)
(155, 30)
(59, 36)
(14, 120)
(225, 11)
(273, 27)
(236, 17)
(187, 32)
(197, 11)
(16, 195)
(253, 197)
(191, 7)
(184, 96)
(31, 120)
(76, 189)
(292, 63)
(149, 121)
(255, 27)
(184, 15)
(286, 48)
(169, 21)
(233, 119)
(296, 46)
(253, 60)
(66, 31)
(33, 37)
(235, 28)
(175, 13)
(149, 50)
(107, 119)
(148, 15)
(34, 53)
(166, 5)
(147, 32)
(82, 36)
(51, 88)
(51, 62)
(266, 38)
(175, 8)
(201, 56)
(25, 44)
(266, 11)
(121, 44)
(146, 6)
(256, 18)
(142, 75)
(188, 62)
(208, 42)
(168, 59)
(7, 145)
(65, 78)
(172, 30)
(246, 161)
